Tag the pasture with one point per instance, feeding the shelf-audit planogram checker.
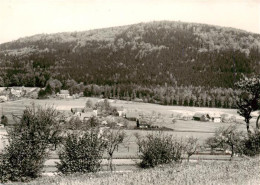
(163, 116)
(129, 150)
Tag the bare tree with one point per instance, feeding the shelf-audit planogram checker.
(191, 146)
(114, 138)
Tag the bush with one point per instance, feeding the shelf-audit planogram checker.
(81, 154)
(4, 120)
(36, 131)
(22, 160)
(252, 144)
(158, 149)
(74, 124)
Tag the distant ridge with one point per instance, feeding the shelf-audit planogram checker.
(154, 53)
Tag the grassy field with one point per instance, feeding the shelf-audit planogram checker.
(234, 172)
(200, 173)
(182, 129)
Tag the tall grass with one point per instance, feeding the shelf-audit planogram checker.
(246, 171)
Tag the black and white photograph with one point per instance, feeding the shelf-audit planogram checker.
(130, 92)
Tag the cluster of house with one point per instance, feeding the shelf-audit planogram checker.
(203, 116)
(86, 113)
(64, 94)
(15, 93)
(215, 117)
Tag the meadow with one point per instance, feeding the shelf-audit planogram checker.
(129, 149)
(163, 114)
(245, 171)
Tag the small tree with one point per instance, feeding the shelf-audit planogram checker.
(249, 98)
(92, 122)
(82, 153)
(36, 131)
(89, 104)
(158, 149)
(74, 123)
(191, 146)
(113, 138)
(227, 138)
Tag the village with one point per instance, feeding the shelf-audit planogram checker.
(113, 116)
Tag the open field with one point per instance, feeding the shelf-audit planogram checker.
(200, 173)
(181, 129)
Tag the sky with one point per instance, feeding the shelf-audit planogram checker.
(20, 18)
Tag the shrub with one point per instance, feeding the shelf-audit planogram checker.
(158, 149)
(252, 144)
(35, 132)
(4, 120)
(74, 123)
(22, 160)
(81, 154)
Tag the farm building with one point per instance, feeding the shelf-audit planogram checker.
(64, 94)
(138, 100)
(121, 111)
(3, 98)
(86, 115)
(201, 117)
(77, 110)
(216, 118)
(104, 122)
(17, 92)
(144, 125)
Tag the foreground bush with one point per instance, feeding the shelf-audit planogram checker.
(22, 160)
(158, 149)
(81, 154)
(252, 144)
(29, 140)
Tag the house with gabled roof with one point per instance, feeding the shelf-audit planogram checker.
(63, 94)
(201, 117)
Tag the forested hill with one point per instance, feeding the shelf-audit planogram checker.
(145, 54)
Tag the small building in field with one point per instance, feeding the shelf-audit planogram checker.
(17, 92)
(86, 116)
(216, 118)
(64, 94)
(3, 98)
(144, 125)
(138, 100)
(201, 117)
(104, 122)
(121, 111)
(77, 110)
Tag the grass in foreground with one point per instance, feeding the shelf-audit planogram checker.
(246, 171)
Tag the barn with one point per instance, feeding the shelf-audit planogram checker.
(201, 117)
